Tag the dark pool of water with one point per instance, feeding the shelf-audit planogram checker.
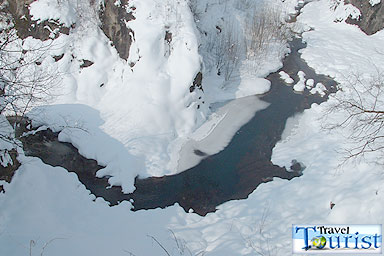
(228, 175)
(246, 162)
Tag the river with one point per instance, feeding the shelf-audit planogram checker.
(231, 174)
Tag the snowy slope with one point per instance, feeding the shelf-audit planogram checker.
(144, 107)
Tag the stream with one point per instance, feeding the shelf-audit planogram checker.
(231, 174)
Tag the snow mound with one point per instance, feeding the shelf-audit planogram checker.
(252, 86)
(284, 76)
(300, 85)
(64, 11)
(374, 2)
(310, 83)
(320, 89)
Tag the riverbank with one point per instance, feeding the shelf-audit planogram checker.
(233, 173)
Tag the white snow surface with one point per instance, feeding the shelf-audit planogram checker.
(319, 88)
(310, 83)
(63, 11)
(343, 11)
(286, 77)
(300, 85)
(47, 209)
(374, 2)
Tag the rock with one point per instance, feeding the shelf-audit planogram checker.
(168, 37)
(86, 63)
(372, 17)
(7, 172)
(58, 57)
(297, 166)
(25, 26)
(199, 152)
(113, 23)
(197, 82)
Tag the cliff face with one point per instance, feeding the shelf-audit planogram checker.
(25, 26)
(372, 17)
(113, 23)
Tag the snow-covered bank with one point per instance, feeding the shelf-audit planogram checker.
(81, 125)
(262, 224)
(65, 218)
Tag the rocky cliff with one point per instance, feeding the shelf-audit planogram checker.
(372, 17)
(18, 11)
(114, 18)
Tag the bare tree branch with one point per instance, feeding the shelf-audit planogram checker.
(362, 102)
(162, 247)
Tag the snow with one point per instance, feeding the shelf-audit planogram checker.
(300, 85)
(343, 11)
(338, 49)
(284, 76)
(215, 134)
(64, 11)
(310, 83)
(44, 203)
(81, 125)
(148, 107)
(117, 3)
(69, 220)
(253, 86)
(374, 2)
(319, 88)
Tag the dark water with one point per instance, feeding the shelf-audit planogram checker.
(246, 162)
(231, 174)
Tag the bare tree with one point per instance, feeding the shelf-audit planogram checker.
(260, 242)
(22, 80)
(226, 48)
(26, 78)
(32, 243)
(362, 105)
(180, 248)
(236, 39)
(333, 4)
(264, 26)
